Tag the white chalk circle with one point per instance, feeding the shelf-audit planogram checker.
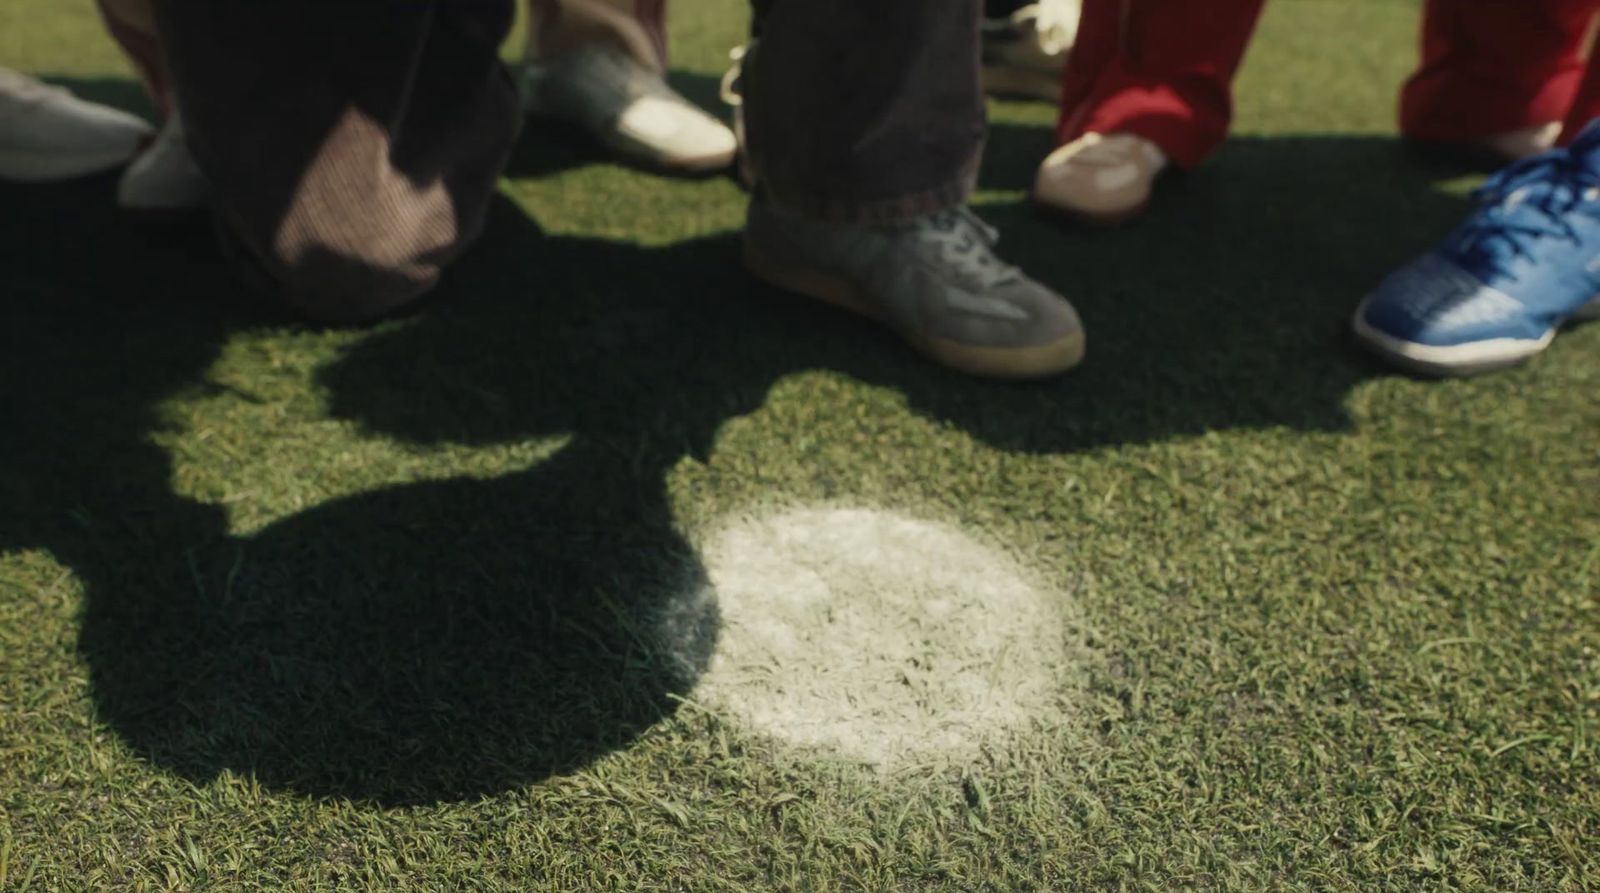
(883, 640)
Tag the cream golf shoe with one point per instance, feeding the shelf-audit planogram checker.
(1102, 178)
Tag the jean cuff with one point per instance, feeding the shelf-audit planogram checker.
(874, 211)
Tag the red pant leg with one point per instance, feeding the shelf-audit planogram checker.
(1586, 107)
(1161, 69)
(1494, 67)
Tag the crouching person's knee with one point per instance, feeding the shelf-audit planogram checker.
(342, 261)
(357, 238)
(336, 282)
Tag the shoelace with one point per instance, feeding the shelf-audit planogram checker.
(1553, 184)
(1056, 24)
(732, 89)
(967, 243)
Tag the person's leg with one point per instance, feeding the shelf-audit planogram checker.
(865, 111)
(352, 176)
(1159, 69)
(601, 64)
(865, 124)
(1149, 82)
(637, 27)
(164, 177)
(1492, 69)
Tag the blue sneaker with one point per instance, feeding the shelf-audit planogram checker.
(1500, 286)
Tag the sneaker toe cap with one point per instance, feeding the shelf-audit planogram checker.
(1434, 303)
(676, 132)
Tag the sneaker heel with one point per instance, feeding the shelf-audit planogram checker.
(809, 283)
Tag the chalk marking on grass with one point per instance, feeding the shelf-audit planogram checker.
(888, 641)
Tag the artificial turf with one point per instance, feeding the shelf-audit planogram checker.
(287, 608)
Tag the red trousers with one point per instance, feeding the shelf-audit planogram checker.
(1163, 69)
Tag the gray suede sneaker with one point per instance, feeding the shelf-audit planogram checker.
(935, 281)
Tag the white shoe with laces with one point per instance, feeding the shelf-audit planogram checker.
(47, 134)
(1103, 178)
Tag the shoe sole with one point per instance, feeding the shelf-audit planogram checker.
(1461, 360)
(696, 166)
(1004, 363)
(35, 167)
(638, 157)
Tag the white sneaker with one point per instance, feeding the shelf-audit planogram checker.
(1104, 178)
(629, 108)
(165, 177)
(46, 133)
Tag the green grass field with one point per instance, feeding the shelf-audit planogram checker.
(284, 608)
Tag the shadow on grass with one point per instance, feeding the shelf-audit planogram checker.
(445, 640)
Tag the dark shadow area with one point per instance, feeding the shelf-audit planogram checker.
(444, 640)
(551, 145)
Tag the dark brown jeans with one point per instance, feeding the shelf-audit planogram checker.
(353, 147)
(865, 110)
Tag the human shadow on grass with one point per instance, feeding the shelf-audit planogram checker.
(417, 644)
(449, 639)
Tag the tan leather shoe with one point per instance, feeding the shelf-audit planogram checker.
(1103, 178)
